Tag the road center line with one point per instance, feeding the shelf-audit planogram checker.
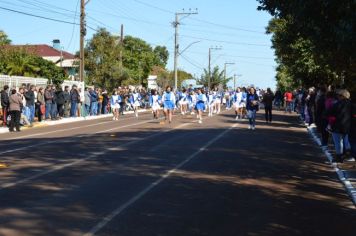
(138, 196)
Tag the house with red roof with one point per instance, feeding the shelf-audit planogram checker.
(55, 54)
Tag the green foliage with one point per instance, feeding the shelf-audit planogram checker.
(4, 39)
(16, 61)
(217, 78)
(314, 40)
(103, 65)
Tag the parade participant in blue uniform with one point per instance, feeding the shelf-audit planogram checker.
(239, 104)
(135, 101)
(252, 104)
(155, 103)
(200, 104)
(183, 102)
(115, 104)
(168, 100)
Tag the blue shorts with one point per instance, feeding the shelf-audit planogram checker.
(168, 105)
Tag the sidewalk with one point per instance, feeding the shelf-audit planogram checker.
(346, 171)
(66, 121)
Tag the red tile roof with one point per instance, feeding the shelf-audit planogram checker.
(44, 50)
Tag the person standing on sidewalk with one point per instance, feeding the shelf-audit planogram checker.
(60, 102)
(74, 100)
(30, 103)
(40, 104)
(87, 98)
(268, 98)
(15, 108)
(66, 95)
(341, 128)
(94, 102)
(252, 105)
(49, 96)
(5, 103)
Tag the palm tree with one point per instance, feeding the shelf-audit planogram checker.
(22, 64)
(217, 78)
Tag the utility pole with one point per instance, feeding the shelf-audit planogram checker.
(176, 44)
(83, 32)
(227, 63)
(209, 67)
(121, 43)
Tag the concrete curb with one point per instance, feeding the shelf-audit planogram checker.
(340, 173)
(69, 120)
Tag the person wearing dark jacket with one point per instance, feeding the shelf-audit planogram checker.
(75, 99)
(268, 98)
(30, 103)
(15, 108)
(105, 102)
(252, 105)
(5, 104)
(341, 128)
(66, 95)
(60, 102)
(49, 96)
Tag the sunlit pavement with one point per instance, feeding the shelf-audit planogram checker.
(138, 176)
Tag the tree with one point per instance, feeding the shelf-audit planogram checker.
(161, 56)
(217, 78)
(4, 39)
(328, 30)
(17, 61)
(102, 63)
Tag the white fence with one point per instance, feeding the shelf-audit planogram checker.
(70, 83)
(19, 81)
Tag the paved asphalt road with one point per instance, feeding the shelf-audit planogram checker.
(138, 177)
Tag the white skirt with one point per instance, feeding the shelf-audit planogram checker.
(115, 106)
(156, 107)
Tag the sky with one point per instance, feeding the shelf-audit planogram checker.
(235, 26)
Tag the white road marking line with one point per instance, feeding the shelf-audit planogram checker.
(91, 156)
(56, 141)
(62, 130)
(138, 196)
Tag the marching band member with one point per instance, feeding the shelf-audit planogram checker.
(115, 104)
(183, 102)
(200, 105)
(135, 101)
(168, 100)
(155, 103)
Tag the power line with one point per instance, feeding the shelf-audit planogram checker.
(192, 63)
(223, 41)
(42, 17)
(200, 20)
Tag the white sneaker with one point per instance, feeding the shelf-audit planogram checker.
(237, 117)
(200, 122)
(192, 113)
(136, 115)
(197, 116)
(114, 118)
(253, 127)
(249, 127)
(183, 113)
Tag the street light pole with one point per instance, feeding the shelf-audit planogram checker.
(227, 63)
(176, 44)
(209, 66)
